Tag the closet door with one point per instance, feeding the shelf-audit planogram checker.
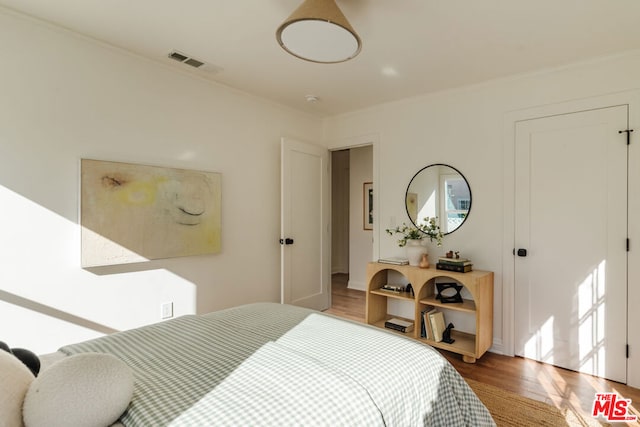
(571, 219)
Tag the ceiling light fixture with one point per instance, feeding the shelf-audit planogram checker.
(318, 31)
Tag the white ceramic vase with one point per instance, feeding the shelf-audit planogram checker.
(415, 249)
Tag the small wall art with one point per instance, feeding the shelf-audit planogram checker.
(134, 213)
(412, 206)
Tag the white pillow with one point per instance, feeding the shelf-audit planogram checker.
(89, 389)
(15, 379)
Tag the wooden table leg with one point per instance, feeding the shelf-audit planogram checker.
(468, 359)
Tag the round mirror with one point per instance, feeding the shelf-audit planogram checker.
(439, 191)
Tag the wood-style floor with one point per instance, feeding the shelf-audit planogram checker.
(556, 386)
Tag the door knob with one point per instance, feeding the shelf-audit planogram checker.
(286, 241)
(521, 252)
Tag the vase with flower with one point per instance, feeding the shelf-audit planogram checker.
(412, 237)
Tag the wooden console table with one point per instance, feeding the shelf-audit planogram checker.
(478, 283)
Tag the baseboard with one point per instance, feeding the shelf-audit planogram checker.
(359, 286)
(497, 347)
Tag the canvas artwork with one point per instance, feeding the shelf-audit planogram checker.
(134, 213)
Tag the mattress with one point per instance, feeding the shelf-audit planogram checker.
(273, 364)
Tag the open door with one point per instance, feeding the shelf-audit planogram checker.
(304, 235)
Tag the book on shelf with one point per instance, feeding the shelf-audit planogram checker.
(426, 322)
(454, 261)
(452, 267)
(437, 325)
(394, 261)
(393, 289)
(399, 325)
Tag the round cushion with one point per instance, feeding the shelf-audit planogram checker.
(29, 358)
(89, 389)
(15, 379)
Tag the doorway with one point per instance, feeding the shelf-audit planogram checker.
(570, 231)
(352, 236)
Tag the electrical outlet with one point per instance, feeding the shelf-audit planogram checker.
(166, 310)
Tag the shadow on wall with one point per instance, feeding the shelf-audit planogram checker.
(55, 313)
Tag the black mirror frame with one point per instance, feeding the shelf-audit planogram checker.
(463, 177)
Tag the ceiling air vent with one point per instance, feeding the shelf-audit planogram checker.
(195, 63)
(181, 57)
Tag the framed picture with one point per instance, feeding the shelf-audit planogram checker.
(135, 213)
(367, 206)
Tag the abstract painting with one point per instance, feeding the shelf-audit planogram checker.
(134, 213)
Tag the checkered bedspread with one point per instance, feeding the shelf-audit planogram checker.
(270, 364)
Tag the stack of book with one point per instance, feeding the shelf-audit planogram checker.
(461, 265)
(432, 324)
(394, 261)
(399, 325)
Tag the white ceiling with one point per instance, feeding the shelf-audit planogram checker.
(410, 47)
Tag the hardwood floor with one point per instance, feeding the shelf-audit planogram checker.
(559, 387)
(346, 302)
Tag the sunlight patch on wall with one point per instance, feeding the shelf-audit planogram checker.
(540, 345)
(30, 233)
(428, 209)
(48, 300)
(591, 321)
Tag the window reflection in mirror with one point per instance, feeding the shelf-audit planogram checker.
(439, 191)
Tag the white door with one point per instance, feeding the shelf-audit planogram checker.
(305, 244)
(571, 218)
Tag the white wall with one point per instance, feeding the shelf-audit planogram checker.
(465, 128)
(360, 240)
(64, 97)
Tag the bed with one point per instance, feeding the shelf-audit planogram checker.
(273, 364)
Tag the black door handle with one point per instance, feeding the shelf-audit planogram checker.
(521, 252)
(286, 241)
